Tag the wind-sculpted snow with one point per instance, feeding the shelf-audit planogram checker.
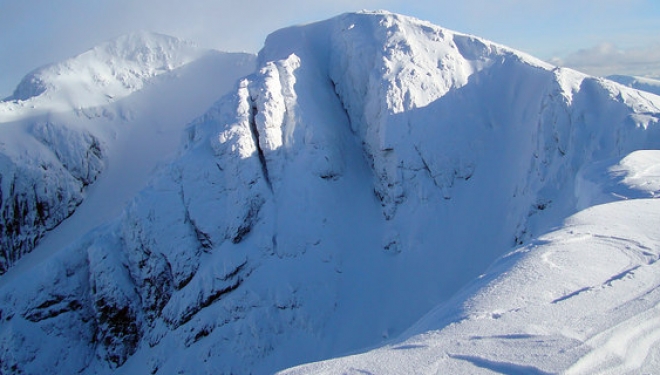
(635, 176)
(369, 168)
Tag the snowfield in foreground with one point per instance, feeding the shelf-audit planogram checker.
(362, 178)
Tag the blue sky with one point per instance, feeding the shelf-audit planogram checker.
(597, 36)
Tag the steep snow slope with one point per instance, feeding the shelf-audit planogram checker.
(68, 122)
(640, 83)
(371, 167)
(582, 299)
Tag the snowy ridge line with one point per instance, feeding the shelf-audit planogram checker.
(371, 161)
(651, 85)
(111, 70)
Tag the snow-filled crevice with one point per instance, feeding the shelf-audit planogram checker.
(255, 136)
(442, 180)
(251, 215)
(343, 106)
(204, 239)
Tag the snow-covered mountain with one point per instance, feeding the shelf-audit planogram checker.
(651, 85)
(367, 172)
(109, 71)
(68, 122)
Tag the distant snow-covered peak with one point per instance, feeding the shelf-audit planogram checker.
(647, 84)
(108, 71)
(152, 50)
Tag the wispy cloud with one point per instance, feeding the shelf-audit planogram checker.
(606, 59)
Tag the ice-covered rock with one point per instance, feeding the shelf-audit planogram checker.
(42, 183)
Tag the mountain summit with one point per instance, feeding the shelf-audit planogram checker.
(368, 170)
(110, 70)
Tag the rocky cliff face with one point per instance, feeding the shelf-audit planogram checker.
(41, 185)
(370, 167)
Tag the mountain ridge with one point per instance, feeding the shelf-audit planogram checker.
(368, 156)
(648, 84)
(118, 66)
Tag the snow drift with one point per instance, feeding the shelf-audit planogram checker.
(369, 168)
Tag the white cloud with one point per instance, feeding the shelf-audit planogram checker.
(606, 59)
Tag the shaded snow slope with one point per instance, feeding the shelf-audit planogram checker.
(91, 115)
(651, 85)
(582, 299)
(371, 167)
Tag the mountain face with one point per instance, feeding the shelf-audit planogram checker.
(65, 121)
(367, 170)
(43, 177)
